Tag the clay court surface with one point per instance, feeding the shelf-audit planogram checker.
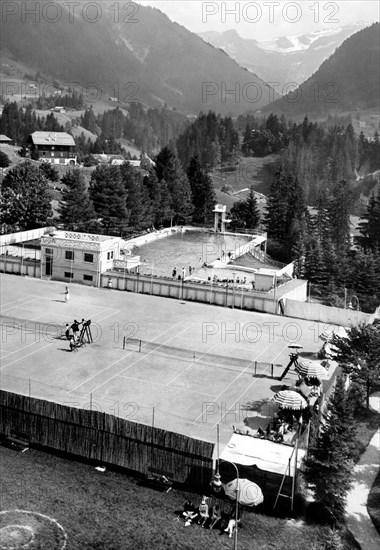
(185, 391)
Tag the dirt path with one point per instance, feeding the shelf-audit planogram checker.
(358, 519)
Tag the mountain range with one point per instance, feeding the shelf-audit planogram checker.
(283, 59)
(149, 58)
(348, 81)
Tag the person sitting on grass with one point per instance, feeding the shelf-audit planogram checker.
(231, 527)
(203, 512)
(216, 516)
(189, 513)
(232, 523)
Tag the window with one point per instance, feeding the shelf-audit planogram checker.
(88, 278)
(69, 275)
(88, 257)
(49, 251)
(69, 255)
(110, 255)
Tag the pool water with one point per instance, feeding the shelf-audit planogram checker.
(183, 250)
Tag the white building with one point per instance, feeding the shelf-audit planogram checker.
(80, 257)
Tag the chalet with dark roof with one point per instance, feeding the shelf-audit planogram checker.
(54, 147)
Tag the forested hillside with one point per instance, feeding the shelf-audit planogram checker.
(348, 80)
(133, 55)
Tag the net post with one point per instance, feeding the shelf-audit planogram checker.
(255, 368)
(124, 342)
(271, 368)
(139, 346)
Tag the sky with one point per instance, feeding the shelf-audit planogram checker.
(263, 20)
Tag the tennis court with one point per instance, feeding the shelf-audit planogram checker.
(185, 367)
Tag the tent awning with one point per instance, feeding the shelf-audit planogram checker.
(266, 455)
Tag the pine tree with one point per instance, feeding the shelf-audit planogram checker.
(359, 356)
(76, 209)
(246, 140)
(165, 164)
(330, 464)
(168, 168)
(108, 194)
(245, 214)
(164, 212)
(202, 192)
(25, 198)
(339, 215)
(321, 221)
(286, 217)
(4, 160)
(276, 215)
(89, 120)
(253, 216)
(138, 202)
(370, 227)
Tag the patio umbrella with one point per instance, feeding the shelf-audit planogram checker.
(250, 493)
(289, 399)
(311, 370)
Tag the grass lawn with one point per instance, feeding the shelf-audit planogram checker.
(113, 511)
(367, 423)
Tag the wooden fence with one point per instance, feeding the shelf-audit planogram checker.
(208, 293)
(106, 439)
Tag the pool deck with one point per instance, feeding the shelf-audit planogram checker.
(189, 395)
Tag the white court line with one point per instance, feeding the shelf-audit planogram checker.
(234, 380)
(21, 349)
(164, 385)
(24, 356)
(109, 315)
(118, 360)
(141, 358)
(279, 353)
(191, 365)
(38, 341)
(252, 383)
(17, 300)
(20, 305)
(226, 388)
(238, 399)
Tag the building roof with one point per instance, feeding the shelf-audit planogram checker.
(82, 241)
(117, 157)
(52, 138)
(4, 138)
(77, 236)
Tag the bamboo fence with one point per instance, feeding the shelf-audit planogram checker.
(106, 439)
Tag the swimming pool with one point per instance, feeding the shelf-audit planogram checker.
(184, 250)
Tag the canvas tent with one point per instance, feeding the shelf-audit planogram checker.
(266, 455)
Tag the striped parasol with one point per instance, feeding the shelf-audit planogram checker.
(311, 370)
(289, 399)
(250, 494)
